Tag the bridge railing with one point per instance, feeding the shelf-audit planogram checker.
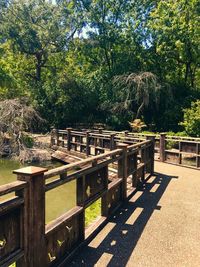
(183, 151)
(110, 177)
(12, 222)
(90, 142)
(179, 150)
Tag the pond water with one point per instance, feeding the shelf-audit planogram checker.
(58, 200)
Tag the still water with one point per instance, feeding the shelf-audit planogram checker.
(58, 200)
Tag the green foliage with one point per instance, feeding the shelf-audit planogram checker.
(92, 212)
(173, 25)
(191, 121)
(137, 125)
(64, 55)
(183, 133)
(27, 140)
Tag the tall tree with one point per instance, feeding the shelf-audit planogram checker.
(175, 33)
(37, 29)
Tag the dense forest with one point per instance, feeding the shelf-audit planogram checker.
(103, 61)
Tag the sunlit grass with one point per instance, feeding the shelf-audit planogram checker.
(92, 212)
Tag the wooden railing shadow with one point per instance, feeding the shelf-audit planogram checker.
(121, 241)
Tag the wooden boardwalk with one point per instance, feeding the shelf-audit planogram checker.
(151, 215)
(159, 226)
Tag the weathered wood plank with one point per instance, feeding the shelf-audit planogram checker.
(10, 204)
(61, 169)
(60, 221)
(12, 187)
(13, 257)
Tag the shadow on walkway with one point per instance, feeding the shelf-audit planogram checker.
(117, 245)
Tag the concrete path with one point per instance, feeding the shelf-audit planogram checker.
(159, 226)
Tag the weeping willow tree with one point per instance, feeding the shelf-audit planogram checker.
(16, 117)
(136, 90)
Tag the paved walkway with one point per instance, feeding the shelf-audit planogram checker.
(159, 226)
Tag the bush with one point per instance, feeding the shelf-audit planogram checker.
(27, 141)
(191, 121)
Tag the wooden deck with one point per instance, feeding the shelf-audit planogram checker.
(149, 216)
(159, 226)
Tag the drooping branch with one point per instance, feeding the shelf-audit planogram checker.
(16, 116)
(136, 88)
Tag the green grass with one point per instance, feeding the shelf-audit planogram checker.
(92, 212)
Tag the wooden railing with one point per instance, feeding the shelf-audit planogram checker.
(183, 151)
(91, 142)
(111, 177)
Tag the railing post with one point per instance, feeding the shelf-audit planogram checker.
(56, 137)
(126, 133)
(87, 143)
(52, 136)
(152, 149)
(112, 141)
(101, 139)
(162, 147)
(34, 216)
(198, 156)
(100, 130)
(69, 138)
(122, 169)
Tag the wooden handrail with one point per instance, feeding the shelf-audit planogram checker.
(12, 187)
(63, 169)
(138, 145)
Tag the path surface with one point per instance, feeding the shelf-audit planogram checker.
(159, 226)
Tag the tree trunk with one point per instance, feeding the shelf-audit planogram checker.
(38, 66)
(139, 110)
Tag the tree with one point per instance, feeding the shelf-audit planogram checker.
(37, 29)
(17, 116)
(64, 55)
(137, 89)
(175, 37)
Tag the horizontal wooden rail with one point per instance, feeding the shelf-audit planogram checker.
(63, 169)
(10, 204)
(180, 150)
(147, 142)
(12, 187)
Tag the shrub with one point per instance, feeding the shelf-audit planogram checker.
(137, 125)
(191, 121)
(27, 141)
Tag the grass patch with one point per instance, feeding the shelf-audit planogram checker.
(92, 212)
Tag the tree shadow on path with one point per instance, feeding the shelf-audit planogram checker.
(129, 222)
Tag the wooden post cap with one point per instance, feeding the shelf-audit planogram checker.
(30, 171)
(122, 145)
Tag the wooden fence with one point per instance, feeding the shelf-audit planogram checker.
(183, 151)
(111, 177)
(91, 142)
(179, 150)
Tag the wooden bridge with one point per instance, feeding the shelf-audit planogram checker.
(143, 226)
